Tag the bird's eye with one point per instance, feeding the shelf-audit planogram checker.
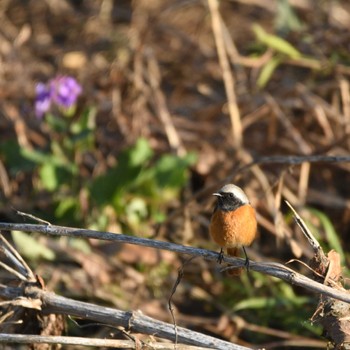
(230, 195)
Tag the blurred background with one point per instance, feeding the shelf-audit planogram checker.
(122, 116)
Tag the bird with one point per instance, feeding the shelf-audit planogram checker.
(233, 223)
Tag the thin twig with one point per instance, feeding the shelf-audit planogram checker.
(13, 271)
(307, 266)
(173, 290)
(307, 233)
(16, 259)
(33, 217)
(170, 305)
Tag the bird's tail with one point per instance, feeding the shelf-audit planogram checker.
(234, 252)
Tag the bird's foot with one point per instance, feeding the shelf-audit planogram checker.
(246, 263)
(221, 256)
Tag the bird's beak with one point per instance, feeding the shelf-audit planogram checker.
(217, 194)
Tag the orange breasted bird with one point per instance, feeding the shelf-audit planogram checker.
(233, 223)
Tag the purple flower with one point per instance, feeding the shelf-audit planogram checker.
(65, 91)
(61, 91)
(43, 99)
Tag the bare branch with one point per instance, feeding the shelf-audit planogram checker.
(93, 342)
(270, 268)
(130, 321)
(300, 159)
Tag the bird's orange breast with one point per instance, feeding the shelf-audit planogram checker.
(234, 228)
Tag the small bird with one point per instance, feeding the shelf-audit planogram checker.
(233, 223)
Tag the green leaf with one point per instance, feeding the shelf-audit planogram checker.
(48, 176)
(139, 154)
(40, 157)
(13, 156)
(267, 71)
(269, 302)
(331, 233)
(56, 123)
(256, 303)
(31, 247)
(55, 168)
(275, 42)
(83, 136)
(108, 187)
(86, 122)
(170, 170)
(37, 156)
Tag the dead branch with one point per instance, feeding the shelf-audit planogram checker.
(300, 159)
(91, 342)
(130, 321)
(270, 268)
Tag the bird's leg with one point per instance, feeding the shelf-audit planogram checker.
(246, 264)
(221, 256)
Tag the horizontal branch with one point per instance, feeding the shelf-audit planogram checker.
(131, 321)
(301, 159)
(91, 342)
(270, 268)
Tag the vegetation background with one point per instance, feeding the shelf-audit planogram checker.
(154, 133)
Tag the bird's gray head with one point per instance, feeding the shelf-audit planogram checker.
(230, 197)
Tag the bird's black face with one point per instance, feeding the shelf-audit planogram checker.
(228, 201)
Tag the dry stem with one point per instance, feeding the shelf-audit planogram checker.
(226, 72)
